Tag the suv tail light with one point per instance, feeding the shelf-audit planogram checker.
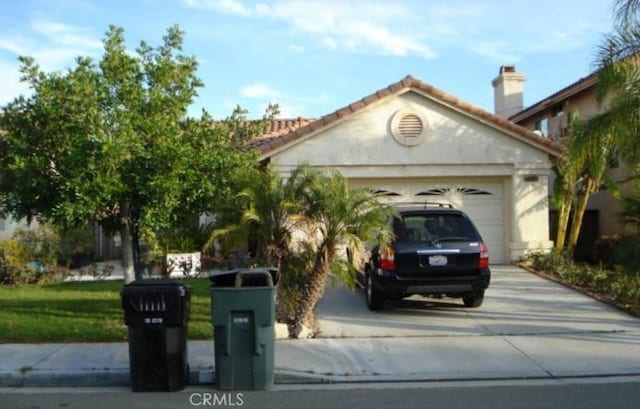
(387, 258)
(484, 256)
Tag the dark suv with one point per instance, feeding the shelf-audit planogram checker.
(437, 251)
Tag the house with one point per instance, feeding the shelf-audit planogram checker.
(549, 118)
(9, 225)
(413, 142)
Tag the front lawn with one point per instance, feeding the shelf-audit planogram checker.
(82, 312)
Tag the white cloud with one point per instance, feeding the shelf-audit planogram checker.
(290, 110)
(358, 27)
(336, 25)
(391, 43)
(496, 51)
(10, 86)
(52, 44)
(258, 91)
(497, 31)
(329, 43)
(226, 6)
(66, 35)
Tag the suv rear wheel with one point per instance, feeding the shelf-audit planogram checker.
(473, 300)
(375, 300)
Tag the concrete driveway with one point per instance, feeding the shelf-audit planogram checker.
(528, 327)
(516, 303)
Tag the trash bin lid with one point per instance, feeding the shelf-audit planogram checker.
(155, 286)
(228, 278)
(165, 282)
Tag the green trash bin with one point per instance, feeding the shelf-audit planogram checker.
(243, 319)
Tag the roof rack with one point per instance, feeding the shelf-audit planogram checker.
(425, 204)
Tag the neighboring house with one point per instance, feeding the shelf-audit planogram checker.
(413, 142)
(9, 225)
(549, 118)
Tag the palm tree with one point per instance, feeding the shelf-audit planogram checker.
(267, 211)
(618, 62)
(593, 142)
(568, 170)
(340, 215)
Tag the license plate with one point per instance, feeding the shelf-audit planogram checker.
(438, 260)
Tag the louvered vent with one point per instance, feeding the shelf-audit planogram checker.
(410, 126)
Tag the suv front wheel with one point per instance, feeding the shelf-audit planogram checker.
(474, 299)
(375, 300)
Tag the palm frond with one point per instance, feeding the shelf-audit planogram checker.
(626, 11)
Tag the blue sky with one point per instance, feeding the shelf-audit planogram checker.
(315, 56)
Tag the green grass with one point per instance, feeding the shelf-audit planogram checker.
(82, 312)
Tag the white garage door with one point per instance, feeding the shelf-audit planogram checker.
(482, 201)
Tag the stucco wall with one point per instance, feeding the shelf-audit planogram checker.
(9, 225)
(364, 139)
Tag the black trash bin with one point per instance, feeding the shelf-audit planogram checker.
(243, 315)
(156, 313)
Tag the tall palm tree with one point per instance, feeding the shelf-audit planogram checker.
(593, 142)
(341, 215)
(568, 169)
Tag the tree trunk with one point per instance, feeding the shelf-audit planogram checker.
(137, 257)
(578, 215)
(315, 288)
(125, 237)
(563, 223)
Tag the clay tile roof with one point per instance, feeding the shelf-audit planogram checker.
(569, 90)
(277, 130)
(284, 131)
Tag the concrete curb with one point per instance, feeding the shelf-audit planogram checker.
(120, 377)
(206, 377)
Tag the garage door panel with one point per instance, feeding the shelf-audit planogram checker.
(482, 201)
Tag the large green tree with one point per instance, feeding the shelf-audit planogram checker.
(109, 141)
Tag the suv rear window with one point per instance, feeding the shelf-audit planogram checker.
(429, 227)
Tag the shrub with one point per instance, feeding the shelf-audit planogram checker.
(41, 244)
(76, 246)
(13, 264)
(98, 273)
(627, 254)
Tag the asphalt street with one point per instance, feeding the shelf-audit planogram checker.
(619, 393)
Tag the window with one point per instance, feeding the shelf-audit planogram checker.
(557, 110)
(428, 227)
(542, 126)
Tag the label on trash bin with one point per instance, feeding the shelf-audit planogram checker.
(241, 320)
(153, 321)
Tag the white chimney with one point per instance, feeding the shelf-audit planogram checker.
(508, 88)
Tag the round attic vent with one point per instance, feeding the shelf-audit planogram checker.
(408, 127)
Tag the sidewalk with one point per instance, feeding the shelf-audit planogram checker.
(528, 328)
(349, 360)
